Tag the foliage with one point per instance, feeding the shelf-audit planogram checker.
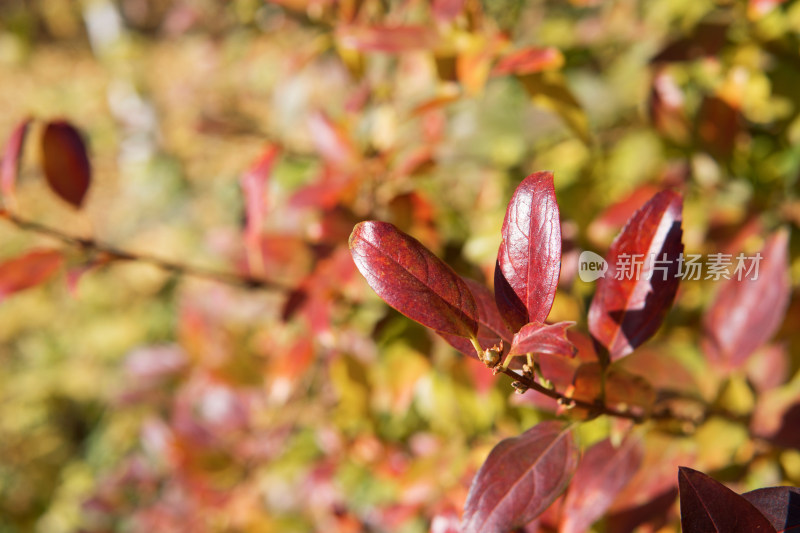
(187, 344)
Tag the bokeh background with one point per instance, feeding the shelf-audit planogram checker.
(134, 399)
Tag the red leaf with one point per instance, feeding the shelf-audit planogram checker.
(446, 10)
(11, 156)
(529, 60)
(521, 478)
(626, 312)
(332, 141)
(28, 270)
(491, 328)
(746, 313)
(543, 338)
(602, 472)
(529, 257)
(718, 124)
(65, 162)
(707, 505)
(390, 39)
(603, 228)
(413, 280)
(780, 505)
(254, 187)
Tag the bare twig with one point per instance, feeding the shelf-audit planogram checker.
(228, 278)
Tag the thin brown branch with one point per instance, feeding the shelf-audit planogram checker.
(117, 254)
(598, 408)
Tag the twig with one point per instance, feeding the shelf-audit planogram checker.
(228, 278)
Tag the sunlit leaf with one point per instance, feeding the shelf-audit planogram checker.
(28, 270)
(543, 338)
(413, 280)
(630, 302)
(747, 312)
(65, 162)
(521, 478)
(603, 471)
(11, 160)
(707, 505)
(529, 258)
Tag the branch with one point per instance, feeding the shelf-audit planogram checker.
(599, 408)
(228, 278)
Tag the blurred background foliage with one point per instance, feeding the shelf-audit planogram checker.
(141, 400)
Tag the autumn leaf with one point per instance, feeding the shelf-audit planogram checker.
(28, 270)
(630, 302)
(11, 161)
(520, 479)
(543, 338)
(529, 258)
(747, 312)
(413, 280)
(707, 505)
(780, 505)
(602, 473)
(65, 162)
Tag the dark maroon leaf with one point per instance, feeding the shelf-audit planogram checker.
(11, 157)
(28, 270)
(709, 506)
(780, 505)
(746, 313)
(520, 479)
(706, 41)
(529, 258)
(65, 162)
(626, 312)
(718, 124)
(413, 280)
(543, 338)
(602, 472)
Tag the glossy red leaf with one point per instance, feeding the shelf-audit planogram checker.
(389, 39)
(11, 157)
(746, 313)
(413, 280)
(65, 162)
(529, 258)
(28, 270)
(543, 338)
(529, 60)
(491, 328)
(780, 505)
(603, 471)
(707, 505)
(626, 312)
(520, 479)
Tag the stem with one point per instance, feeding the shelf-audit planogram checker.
(602, 409)
(228, 278)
